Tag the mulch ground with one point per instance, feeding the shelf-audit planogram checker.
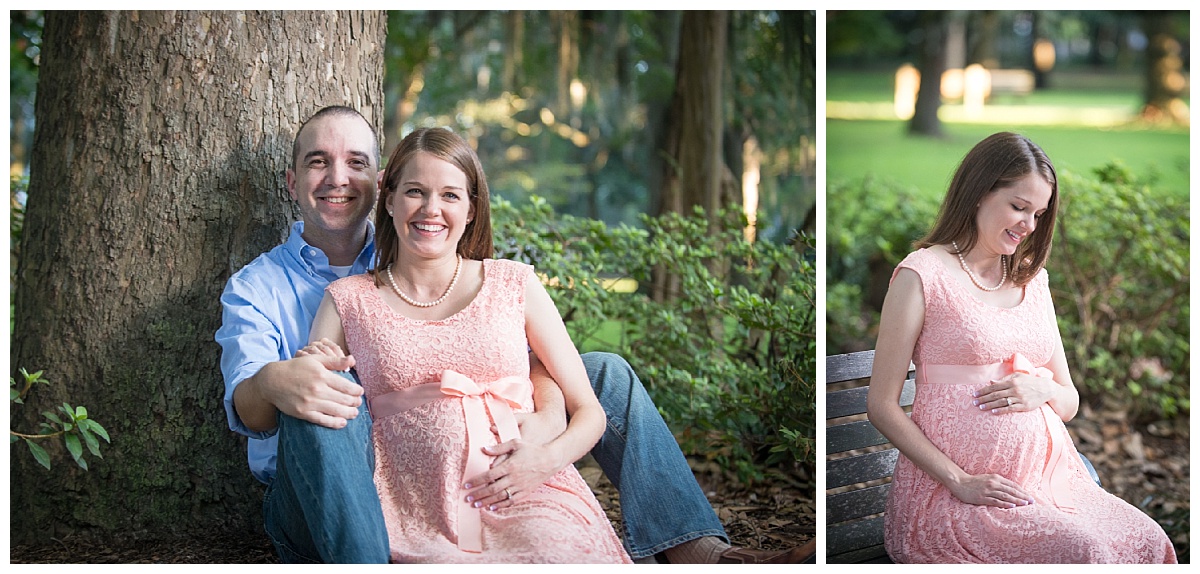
(776, 515)
(1147, 464)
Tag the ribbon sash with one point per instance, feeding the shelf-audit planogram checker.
(482, 403)
(1056, 474)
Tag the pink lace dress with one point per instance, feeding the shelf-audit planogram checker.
(423, 448)
(963, 342)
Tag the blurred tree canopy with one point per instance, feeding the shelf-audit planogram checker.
(1152, 42)
(572, 105)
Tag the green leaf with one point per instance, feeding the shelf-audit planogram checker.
(39, 453)
(80, 412)
(96, 428)
(89, 439)
(73, 445)
(52, 417)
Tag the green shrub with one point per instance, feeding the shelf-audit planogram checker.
(1118, 273)
(870, 227)
(728, 356)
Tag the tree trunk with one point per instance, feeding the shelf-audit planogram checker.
(983, 49)
(696, 124)
(932, 52)
(696, 119)
(566, 27)
(514, 51)
(1164, 72)
(157, 171)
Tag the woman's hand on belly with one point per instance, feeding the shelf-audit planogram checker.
(989, 490)
(1017, 392)
(520, 468)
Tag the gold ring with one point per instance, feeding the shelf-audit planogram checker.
(507, 494)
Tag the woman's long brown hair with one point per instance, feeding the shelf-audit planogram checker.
(999, 161)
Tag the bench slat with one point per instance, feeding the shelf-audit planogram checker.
(869, 555)
(848, 367)
(848, 402)
(860, 468)
(852, 436)
(851, 536)
(856, 503)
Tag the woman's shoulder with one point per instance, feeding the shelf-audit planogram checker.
(923, 261)
(507, 268)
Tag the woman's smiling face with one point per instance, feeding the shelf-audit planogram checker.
(1007, 215)
(430, 206)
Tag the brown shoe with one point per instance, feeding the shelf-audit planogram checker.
(797, 555)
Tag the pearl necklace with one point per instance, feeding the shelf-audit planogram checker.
(415, 303)
(971, 274)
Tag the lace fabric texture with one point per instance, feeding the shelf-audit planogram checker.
(421, 452)
(925, 523)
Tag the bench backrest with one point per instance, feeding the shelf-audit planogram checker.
(855, 498)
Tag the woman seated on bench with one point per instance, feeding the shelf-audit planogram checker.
(987, 471)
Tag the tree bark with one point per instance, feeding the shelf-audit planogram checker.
(157, 171)
(696, 123)
(932, 52)
(696, 119)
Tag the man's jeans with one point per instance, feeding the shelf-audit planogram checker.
(322, 505)
(661, 503)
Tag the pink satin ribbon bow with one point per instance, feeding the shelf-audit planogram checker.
(1056, 477)
(482, 403)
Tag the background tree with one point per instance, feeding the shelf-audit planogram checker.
(935, 25)
(1165, 82)
(157, 170)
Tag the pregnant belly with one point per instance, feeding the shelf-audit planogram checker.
(1012, 444)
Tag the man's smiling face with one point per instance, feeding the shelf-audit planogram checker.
(333, 179)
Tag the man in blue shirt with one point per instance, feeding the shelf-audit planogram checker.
(306, 419)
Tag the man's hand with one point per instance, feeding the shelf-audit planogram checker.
(305, 388)
(519, 468)
(541, 427)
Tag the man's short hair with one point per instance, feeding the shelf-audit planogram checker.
(346, 111)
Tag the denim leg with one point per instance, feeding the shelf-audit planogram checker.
(322, 505)
(661, 504)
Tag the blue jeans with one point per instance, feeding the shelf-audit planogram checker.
(322, 505)
(323, 472)
(661, 503)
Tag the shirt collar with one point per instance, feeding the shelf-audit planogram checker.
(314, 260)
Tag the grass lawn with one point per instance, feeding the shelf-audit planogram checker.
(857, 149)
(880, 148)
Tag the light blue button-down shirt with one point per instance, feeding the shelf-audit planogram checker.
(267, 311)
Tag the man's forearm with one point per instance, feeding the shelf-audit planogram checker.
(252, 406)
(548, 403)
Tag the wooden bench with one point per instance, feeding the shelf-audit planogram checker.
(856, 486)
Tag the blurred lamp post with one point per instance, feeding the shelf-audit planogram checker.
(976, 85)
(908, 81)
(1043, 55)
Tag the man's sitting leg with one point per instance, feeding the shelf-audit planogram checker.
(662, 506)
(322, 505)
